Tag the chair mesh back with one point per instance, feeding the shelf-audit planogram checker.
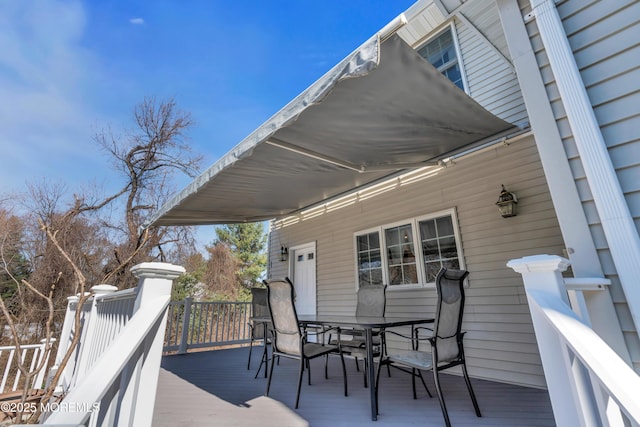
(371, 301)
(450, 287)
(284, 317)
(259, 308)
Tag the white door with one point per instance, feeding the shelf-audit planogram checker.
(304, 277)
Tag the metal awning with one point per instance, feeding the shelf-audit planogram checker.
(382, 110)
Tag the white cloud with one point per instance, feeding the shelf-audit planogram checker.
(45, 91)
(136, 21)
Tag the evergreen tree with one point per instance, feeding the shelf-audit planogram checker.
(14, 265)
(247, 241)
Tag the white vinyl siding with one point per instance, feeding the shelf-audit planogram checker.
(490, 77)
(604, 39)
(500, 342)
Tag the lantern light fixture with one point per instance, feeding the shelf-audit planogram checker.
(284, 253)
(507, 203)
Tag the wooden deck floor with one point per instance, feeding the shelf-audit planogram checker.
(214, 388)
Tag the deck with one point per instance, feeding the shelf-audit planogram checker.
(215, 388)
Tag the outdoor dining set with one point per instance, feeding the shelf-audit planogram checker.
(436, 342)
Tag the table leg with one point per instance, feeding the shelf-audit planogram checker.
(371, 373)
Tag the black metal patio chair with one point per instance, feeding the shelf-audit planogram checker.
(289, 339)
(371, 302)
(446, 338)
(259, 330)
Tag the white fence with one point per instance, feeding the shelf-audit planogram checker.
(31, 356)
(113, 375)
(589, 384)
(206, 324)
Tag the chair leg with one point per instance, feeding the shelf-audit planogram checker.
(326, 366)
(382, 361)
(413, 382)
(424, 383)
(250, 348)
(365, 371)
(344, 374)
(302, 362)
(308, 372)
(357, 365)
(270, 375)
(436, 379)
(471, 393)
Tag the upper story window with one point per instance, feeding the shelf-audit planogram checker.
(441, 52)
(410, 252)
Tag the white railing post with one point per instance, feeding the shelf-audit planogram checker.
(543, 274)
(186, 317)
(154, 280)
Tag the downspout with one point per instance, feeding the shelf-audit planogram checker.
(594, 307)
(617, 223)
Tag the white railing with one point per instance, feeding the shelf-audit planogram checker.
(110, 312)
(206, 324)
(31, 356)
(114, 375)
(589, 384)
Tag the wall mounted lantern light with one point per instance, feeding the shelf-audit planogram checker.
(284, 253)
(507, 203)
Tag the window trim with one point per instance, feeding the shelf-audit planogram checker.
(456, 45)
(414, 222)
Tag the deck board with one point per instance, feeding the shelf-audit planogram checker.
(215, 388)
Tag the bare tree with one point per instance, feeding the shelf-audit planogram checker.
(73, 245)
(220, 276)
(147, 159)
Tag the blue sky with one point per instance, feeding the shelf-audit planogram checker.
(70, 68)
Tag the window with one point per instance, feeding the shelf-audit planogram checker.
(401, 255)
(369, 259)
(439, 248)
(441, 53)
(414, 251)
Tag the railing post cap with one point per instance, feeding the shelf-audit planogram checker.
(158, 270)
(103, 289)
(539, 263)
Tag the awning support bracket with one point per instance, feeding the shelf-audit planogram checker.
(314, 155)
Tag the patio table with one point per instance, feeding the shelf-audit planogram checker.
(367, 325)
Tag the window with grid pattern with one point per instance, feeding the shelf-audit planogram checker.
(410, 252)
(369, 259)
(441, 53)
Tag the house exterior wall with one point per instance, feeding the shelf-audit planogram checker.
(500, 343)
(605, 41)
